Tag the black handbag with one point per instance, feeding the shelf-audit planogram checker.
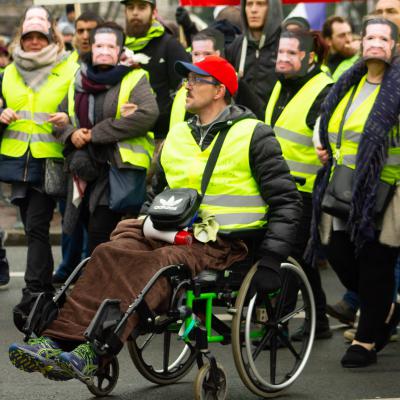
(175, 209)
(337, 197)
(55, 177)
(127, 189)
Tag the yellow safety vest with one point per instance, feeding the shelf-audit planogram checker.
(342, 67)
(32, 131)
(137, 151)
(232, 195)
(292, 131)
(178, 110)
(353, 129)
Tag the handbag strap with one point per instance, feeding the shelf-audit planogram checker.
(212, 160)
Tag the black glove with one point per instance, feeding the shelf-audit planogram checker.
(267, 278)
(183, 18)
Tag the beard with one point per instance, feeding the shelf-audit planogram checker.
(138, 29)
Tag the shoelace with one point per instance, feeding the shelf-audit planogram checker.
(45, 342)
(86, 352)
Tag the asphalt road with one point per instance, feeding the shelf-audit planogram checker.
(323, 377)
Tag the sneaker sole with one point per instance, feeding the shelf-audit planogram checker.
(31, 362)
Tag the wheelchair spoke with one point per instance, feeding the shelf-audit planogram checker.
(273, 359)
(262, 344)
(289, 316)
(147, 341)
(167, 346)
(289, 345)
(281, 298)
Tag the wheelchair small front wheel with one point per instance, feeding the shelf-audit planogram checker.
(266, 359)
(204, 386)
(105, 379)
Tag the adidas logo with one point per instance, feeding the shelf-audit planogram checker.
(170, 204)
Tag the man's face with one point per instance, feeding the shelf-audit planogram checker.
(34, 41)
(290, 57)
(389, 9)
(377, 42)
(341, 39)
(36, 18)
(105, 50)
(139, 15)
(256, 14)
(4, 60)
(202, 49)
(200, 94)
(82, 34)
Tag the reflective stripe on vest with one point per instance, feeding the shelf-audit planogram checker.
(232, 195)
(353, 129)
(178, 110)
(292, 131)
(136, 151)
(32, 130)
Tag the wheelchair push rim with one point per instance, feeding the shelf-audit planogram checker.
(266, 360)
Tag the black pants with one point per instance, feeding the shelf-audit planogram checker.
(36, 213)
(370, 275)
(100, 224)
(312, 273)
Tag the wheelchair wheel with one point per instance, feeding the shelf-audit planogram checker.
(204, 387)
(105, 379)
(174, 358)
(266, 359)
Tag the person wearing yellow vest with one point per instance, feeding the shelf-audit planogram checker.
(250, 188)
(359, 132)
(32, 88)
(208, 42)
(337, 33)
(145, 34)
(292, 111)
(111, 109)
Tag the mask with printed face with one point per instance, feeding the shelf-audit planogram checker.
(293, 57)
(379, 38)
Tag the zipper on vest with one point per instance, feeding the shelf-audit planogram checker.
(26, 167)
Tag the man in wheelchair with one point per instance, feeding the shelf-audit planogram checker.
(250, 188)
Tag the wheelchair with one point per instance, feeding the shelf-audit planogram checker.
(267, 361)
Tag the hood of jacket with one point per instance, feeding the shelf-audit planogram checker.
(272, 22)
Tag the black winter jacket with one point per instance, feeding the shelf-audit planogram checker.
(255, 87)
(272, 174)
(164, 52)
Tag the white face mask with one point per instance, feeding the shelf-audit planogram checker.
(36, 19)
(105, 50)
(378, 43)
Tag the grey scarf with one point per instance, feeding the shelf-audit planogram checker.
(35, 67)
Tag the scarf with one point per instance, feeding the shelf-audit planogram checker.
(135, 44)
(89, 82)
(371, 155)
(35, 67)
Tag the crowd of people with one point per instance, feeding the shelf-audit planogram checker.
(310, 162)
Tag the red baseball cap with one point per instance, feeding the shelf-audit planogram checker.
(214, 66)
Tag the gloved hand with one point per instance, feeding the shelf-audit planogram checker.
(267, 278)
(183, 18)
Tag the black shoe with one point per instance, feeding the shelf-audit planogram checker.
(320, 333)
(342, 312)
(387, 330)
(358, 356)
(4, 273)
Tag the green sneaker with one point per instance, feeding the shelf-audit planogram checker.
(82, 362)
(38, 355)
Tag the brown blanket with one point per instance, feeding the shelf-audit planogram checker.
(119, 269)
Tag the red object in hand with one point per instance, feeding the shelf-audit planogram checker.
(183, 238)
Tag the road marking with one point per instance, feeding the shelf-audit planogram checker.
(18, 274)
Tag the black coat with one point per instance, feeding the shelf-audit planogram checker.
(164, 51)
